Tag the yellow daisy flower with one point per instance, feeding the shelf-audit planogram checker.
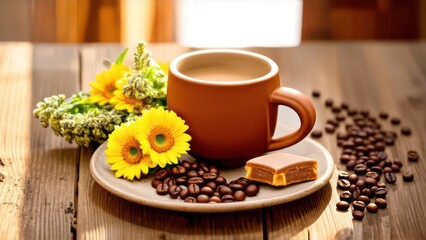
(121, 101)
(162, 136)
(125, 155)
(104, 86)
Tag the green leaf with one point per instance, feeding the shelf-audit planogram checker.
(120, 59)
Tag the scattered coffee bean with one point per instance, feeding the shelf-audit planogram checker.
(186, 164)
(372, 208)
(344, 105)
(227, 198)
(395, 168)
(316, 134)
(220, 180)
(190, 199)
(383, 115)
(406, 131)
(369, 182)
(380, 193)
(377, 169)
(336, 109)
(353, 178)
(252, 190)
(239, 195)
(413, 156)
(380, 202)
(360, 169)
(184, 193)
(364, 199)
(196, 180)
(202, 198)
(329, 102)
(346, 196)
(160, 174)
(316, 93)
(381, 185)
(155, 182)
(408, 176)
(191, 174)
(395, 121)
(357, 215)
(181, 181)
(343, 175)
(207, 191)
(342, 184)
(360, 184)
(390, 177)
(174, 191)
(214, 199)
(193, 189)
(398, 163)
(329, 128)
(351, 165)
(367, 192)
(374, 175)
(358, 205)
(342, 206)
(162, 189)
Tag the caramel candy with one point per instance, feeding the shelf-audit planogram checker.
(281, 169)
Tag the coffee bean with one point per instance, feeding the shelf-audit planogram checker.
(353, 178)
(174, 191)
(382, 155)
(191, 174)
(352, 188)
(387, 169)
(343, 175)
(395, 168)
(211, 185)
(200, 173)
(360, 169)
(364, 199)
(373, 175)
(389, 141)
(214, 169)
(380, 193)
(352, 112)
(408, 176)
(372, 208)
(227, 198)
(329, 102)
(155, 182)
(179, 171)
(204, 168)
(220, 180)
(194, 166)
(357, 215)
(381, 184)
(214, 199)
(190, 199)
(344, 105)
(182, 181)
(367, 192)
(384, 115)
(316, 93)
(342, 205)
(329, 128)
(236, 186)
(162, 189)
(365, 113)
(356, 193)
(380, 202)
(243, 183)
(333, 122)
(369, 182)
(342, 184)
(253, 190)
(203, 198)
(209, 176)
(160, 174)
(406, 131)
(224, 190)
(395, 121)
(193, 189)
(346, 196)
(377, 169)
(196, 180)
(186, 164)
(216, 194)
(390, 177)
(413, 156)
(207, 191)
(184, 193)
(169, 181)
(398, 163)
(358, 205)
(351, 165)
(360, 184)
(239, 195)
(316, 134)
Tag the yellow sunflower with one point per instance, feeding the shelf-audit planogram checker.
(162, 136)
(121, 101)
(104, 86)
(125, 155)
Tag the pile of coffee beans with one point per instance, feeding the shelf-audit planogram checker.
(363, 144)
(199, 183)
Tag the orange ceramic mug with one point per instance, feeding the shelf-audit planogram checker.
(229, 99)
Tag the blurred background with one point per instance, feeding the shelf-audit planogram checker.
(128, 21)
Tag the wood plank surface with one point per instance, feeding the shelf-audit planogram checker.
(101, 215)
(37, 193)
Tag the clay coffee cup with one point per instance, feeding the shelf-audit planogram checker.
(229, 99)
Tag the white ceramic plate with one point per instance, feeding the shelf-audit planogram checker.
(140, 191)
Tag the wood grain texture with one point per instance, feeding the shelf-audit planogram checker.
(101, 215)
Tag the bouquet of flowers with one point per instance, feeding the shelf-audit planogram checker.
(126, 106)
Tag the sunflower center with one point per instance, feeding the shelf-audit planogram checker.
(161, 139)
(109, 91)
(131, 151)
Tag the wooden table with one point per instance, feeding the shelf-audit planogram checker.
(47, 192)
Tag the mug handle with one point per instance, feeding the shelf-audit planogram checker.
(304, 108)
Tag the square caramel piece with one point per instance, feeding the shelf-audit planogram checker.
(281, 169)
